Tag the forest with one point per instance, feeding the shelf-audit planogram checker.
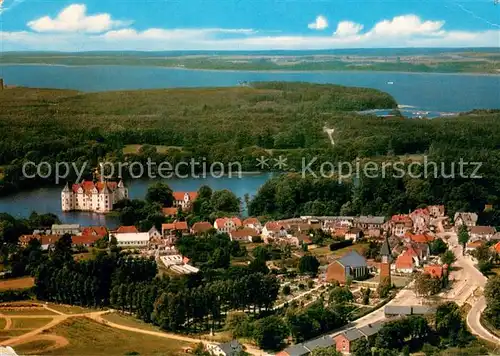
(242, 124)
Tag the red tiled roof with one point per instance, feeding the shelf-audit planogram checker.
(400, 218)
(251, 221)
(404, 261)
(88, 186)
(496, 247)
(169, 226)
(169, 211)
(420, 238)
(245, 232)
(341, 231)
(475, 244)
(435, 270)
(273, 226)
(222, 221)
(180, 195)
(423, 211)
(100, 231)
(84, 240)
(176, 225)
(201, 227)
(482, 230)
(127, 229)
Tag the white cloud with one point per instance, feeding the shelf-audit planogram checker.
(406, 25)
(74, 18)
(401, 31)
(348, 28)
(319, 24)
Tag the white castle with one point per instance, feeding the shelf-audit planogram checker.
(89, 196)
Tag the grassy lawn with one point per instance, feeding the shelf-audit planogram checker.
(89, 338)
(17, 283)
(131, 321)
(27, 311)
(29, 323)
(33, 346)
(11, 333)
(69, 309)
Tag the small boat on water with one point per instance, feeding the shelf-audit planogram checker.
(390, 83)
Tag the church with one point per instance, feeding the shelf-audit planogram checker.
(97, 197)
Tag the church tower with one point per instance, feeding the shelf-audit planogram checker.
(386, 260)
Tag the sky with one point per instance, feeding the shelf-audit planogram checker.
(162, 25)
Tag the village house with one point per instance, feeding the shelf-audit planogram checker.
(72, 229)
(231, 348)
(418, 238)
(345, 221)
(127, 229)
(244, 234)
(436, 271)
(98, 197)
(170, 212)
(352, 265)
(274, 229)
(200, 228)
(436, 211)
(184, 200)
(369, 222)
(154, 233)
(354, 234)
(401, 224)
(307, 347)
(467, 219)
(132, 239)
(340, 231)
(421, 220)
(406, 262)
(472, 246)
(47, 241)
(484, 233)
(343, 341)
(496, 248)
(172, 229)
(84, 241)
(253, 223)
(99, 231)
(225, 225)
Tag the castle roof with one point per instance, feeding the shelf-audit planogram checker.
(88, 186)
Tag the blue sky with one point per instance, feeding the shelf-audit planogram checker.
(246, 24)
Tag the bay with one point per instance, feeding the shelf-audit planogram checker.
(48, 200)
(424, 91)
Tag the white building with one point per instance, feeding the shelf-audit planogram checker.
(89, 196)
(227, 224)
(72, 229)
(184, 199)
(132, 239)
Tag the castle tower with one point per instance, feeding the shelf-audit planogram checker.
(386, 260)
(66, 198)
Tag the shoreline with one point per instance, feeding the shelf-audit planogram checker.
(275, 71)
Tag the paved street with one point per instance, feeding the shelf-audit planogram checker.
(467, 280)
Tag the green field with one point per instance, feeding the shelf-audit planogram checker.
(29, 323)
(88, 338)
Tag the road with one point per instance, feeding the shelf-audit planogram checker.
(466, 281)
